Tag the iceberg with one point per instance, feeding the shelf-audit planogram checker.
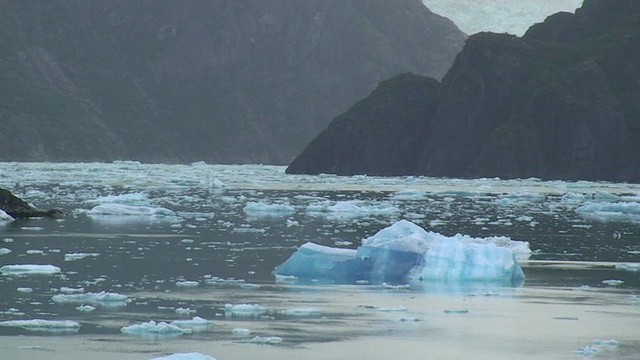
(405, 252)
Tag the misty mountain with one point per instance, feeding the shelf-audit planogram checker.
(222, 81)
(561, 102)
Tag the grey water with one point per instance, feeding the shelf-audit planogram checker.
(228, 255)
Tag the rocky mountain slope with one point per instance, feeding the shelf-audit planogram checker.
(220, 81)
(562, 102)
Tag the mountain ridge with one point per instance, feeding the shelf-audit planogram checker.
(558, 103)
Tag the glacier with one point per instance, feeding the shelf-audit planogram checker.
(406, 252)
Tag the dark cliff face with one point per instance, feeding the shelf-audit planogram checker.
(221, 81)
(562, 102)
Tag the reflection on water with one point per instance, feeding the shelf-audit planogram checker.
(212, 254)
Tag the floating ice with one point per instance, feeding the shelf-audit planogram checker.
(4, 251)
(612, 282)
(184, 311)
(607, 211)
(456, 311)
(4, 216)
(241, 331)
(29, 269)
(634, 267)
(262, 209)
(101, 298)
(521, 198)
(349, 209)
(410, 194)
(268, 340)
(185, 356)
(85, 308)
(302, 312)
(126, 199)
(43, 325)
(78, 256)
(153, 328)
(405, 251)
(187, 283)
(129, 210)
(195, 323)
(244, 310)
(25, 289)
(596, 347)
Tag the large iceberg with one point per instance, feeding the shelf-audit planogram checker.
(406, 252)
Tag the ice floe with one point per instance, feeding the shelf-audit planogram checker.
(5, 251)
(43, 325)
(5, 217)
(28, 269)
(405, 251)
(266, 340)
(349, 209)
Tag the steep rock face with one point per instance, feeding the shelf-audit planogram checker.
(220, 81)
(559, 103)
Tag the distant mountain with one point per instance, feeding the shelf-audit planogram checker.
(222, 81)
(562, 102)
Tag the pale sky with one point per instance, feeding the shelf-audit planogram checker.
(511, 16)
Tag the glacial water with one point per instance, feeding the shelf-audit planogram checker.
(206, 238)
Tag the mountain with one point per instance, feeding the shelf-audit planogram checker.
(561, 102)
(222, 81)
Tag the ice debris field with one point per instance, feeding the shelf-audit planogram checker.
(247, 255)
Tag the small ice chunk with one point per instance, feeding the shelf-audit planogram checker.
(244, 310)
(634, 267)
(101, 298)
(69, 290)
(112, 209)
(302, 312)
(612, 282)
(153, 328)
(85, 308)
(456, 311)
(268, 340)
(241, 331)
(263, 209)
(184, 311)
(29, 269)
(44, 325)
(392, 309)
(25, 289)
(4, 251)
(185, 356)
(79, 256)
(4, 216)
(195, 322)
(607, 342)
(35, 252)
(187, 283)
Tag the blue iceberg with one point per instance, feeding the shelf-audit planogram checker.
(405, 252)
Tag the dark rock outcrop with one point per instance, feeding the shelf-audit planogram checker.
(562, 102)
(20, 209)
(222, 81)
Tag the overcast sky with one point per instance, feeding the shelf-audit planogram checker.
(511, 16)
